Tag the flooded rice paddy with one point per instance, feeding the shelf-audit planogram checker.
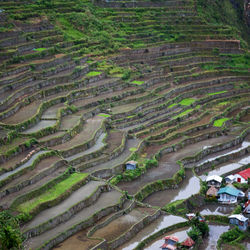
(161, 222)
(189, 186)
(225, 169)
(40, 125)
(216, 209)
(23, 166)
(215, 232)
(120, 225)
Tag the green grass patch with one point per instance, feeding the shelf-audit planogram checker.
(104, 115)
(220, 122)
(131, 116)
(219, 92)
(183, 113)
(52, 193)
(68, 29)
(138, 82)
(174, 203)
(39, 49)
(187, 101)
(172, 105)
(132, 149)
(223, 103)
(94, 73)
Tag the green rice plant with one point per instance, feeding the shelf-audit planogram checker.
(219, 92)
(187, 101)
(52, 193)
(220, 122)
(138, 82)
(172, 105)
(223, 103)
(104, 115)
(183, 113)
(132, 149)
(93, 73)
(39, 49)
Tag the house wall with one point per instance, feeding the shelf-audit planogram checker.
(229, 180)
(241, 225)
(214, 183)
(227, 197)
(130, 167)
(247, 210)
(242, 180)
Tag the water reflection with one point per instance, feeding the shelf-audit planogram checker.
(181, 234)
(214, 234)
(162, 222)
(189, 186)
(216, 209)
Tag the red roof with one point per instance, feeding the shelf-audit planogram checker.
(245, 173)
(172, 237)
(168, 246)
(188, 242)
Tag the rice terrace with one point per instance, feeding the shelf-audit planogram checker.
(124, 124)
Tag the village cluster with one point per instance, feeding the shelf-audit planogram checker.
(224, 191)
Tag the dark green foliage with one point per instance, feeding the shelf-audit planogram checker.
(231, 235)
(225, 12)
(237, 210)
(10, 234)
(151, 163)
(199, 228)
(126, 75)
(204, 187)
(194, 233)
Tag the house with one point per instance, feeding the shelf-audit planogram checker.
(192, 216)
(242, 176)
(131, 165)
(214, 180)
(239, 220)
(247, 207)
(212, 191)
(188, 243)
(170, 243)
(228, 195)
(230, 178)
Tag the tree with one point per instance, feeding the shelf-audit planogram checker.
(10, 234)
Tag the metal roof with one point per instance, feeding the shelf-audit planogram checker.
(229, 190)
(239, 217)
(214, 177)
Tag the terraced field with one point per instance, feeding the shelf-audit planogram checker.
(86, 86)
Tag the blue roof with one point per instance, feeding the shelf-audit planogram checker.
(229, 190)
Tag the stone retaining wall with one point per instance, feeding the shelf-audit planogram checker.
(81, 225)
(134, 230)
(33, 180)
(112, 218)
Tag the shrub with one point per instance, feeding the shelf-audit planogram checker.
(10, 234)
(204, 187)
(237, 210)
(231, 235)
(194, 233)
(126, 75)
(151, 163)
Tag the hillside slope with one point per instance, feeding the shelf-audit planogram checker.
(86, 86)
